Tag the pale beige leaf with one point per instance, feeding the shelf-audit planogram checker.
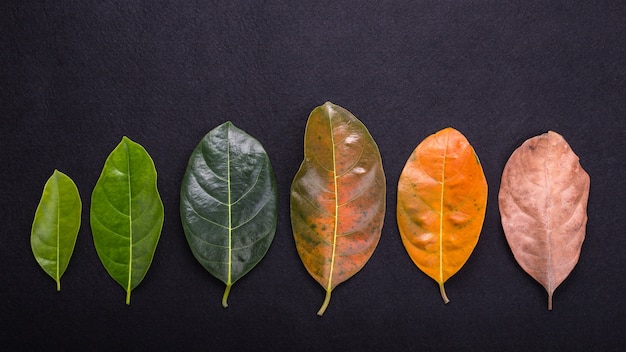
(543, 205)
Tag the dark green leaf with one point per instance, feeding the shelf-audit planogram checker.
(56, 225)
(228, 203)
(127, 214)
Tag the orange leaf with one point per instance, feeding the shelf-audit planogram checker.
(442, 196)
(337, 197)
(543, 205)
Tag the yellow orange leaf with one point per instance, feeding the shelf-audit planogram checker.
(442, 196)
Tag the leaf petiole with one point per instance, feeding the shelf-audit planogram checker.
(550, 301)
(225, 297)
(325, 304)
(443, 294)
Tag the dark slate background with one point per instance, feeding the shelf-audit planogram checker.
(76, 76)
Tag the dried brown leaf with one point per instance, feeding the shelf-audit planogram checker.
(543, 205)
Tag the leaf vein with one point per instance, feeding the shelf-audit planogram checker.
(254, 242)
(314, 158)
(312, 230)
(254, 215)
(356, 161)
(206, 191)
(201, 239)
(106, 226)
(301, 194)
(193, 208)
(106, 197)
(258, 175)
(208, 166)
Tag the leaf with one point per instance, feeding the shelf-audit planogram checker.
(543, 205)
(442, 196)
(337, 197)
(56, 224)
(127, 214)
(228, 204)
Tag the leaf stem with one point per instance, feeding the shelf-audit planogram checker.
(128, 297)
(443, 293)
(325, 304)
(58, 284)
(225, 297)
(550, 301)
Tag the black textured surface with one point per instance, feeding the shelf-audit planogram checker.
(75, 76)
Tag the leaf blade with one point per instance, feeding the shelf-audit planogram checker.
(127, 214)
(543, 206)
(229, 204)
(337, 197)
(442, 198)
(56, 224)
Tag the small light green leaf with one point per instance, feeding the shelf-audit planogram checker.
(56, 225)
(228, 203)
(127, 214)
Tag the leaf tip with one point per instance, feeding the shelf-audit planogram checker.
(127, 141)
(228, 125)
(56, 174)
(449, 129)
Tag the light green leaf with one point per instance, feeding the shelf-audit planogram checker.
(56, 225)
(127, 214)
(228, 203)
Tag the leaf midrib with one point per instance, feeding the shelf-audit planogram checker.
(130, 225)
(548, 222)
(332, 258)
(58, 211)
(443, 175)
(441, 222)
(230, 217)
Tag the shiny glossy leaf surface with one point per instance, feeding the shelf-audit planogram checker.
(127, 214)
(228, 203)
(56, 224)
(543, 205)
(442, 196)
(337, 197)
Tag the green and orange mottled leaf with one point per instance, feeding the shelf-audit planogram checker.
(337, 197)
(442, 196)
